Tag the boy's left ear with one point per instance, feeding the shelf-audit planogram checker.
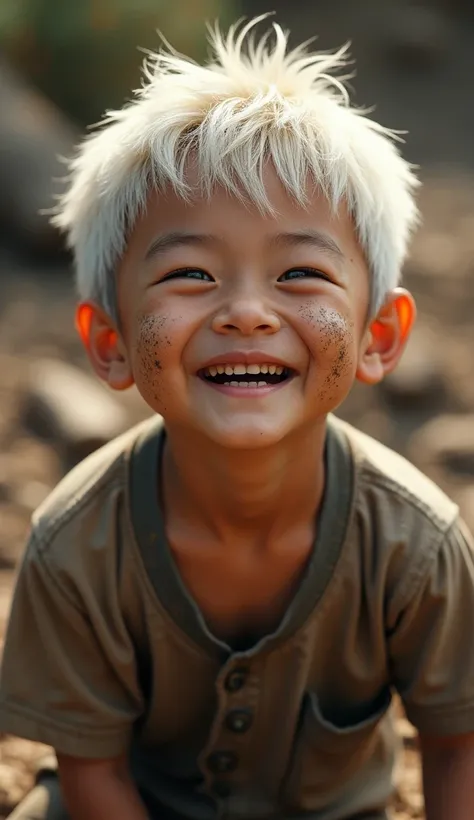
(386, 337)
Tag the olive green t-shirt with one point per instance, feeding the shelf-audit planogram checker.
(107, 652)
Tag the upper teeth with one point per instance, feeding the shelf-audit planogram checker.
(242, 369)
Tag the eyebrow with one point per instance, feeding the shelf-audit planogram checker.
(311, 239)
(177, 239)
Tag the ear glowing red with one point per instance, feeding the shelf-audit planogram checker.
(84, 314)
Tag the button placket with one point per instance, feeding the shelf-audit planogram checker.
(222, 761)
(230, 733)
(236, 679)
(239, 720)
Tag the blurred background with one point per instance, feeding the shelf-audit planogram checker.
(61, 65)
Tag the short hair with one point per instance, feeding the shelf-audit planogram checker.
(254, 101)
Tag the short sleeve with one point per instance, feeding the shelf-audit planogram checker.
(68, 674)
(431, 644)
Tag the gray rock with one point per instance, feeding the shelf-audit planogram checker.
(419, 37)
(445, 444)
(418, 376)
(65, 405)
(33, 135)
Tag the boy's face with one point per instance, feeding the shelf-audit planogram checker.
(217, 283)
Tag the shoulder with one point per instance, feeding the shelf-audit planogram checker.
(385, 479)
(88, 503)
(400, 521)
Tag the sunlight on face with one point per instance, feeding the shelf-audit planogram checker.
(240, 325)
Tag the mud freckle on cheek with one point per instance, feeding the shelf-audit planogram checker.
(150, 339)
(337, 336)
(308, 312)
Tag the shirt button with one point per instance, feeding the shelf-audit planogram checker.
(221, 789)
(222, 762)
(239, 720)
(235, 680)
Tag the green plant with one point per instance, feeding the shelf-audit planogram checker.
(85, 54)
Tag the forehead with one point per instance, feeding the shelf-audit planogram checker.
(240, 224)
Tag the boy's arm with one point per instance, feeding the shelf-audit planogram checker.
(99, 789)
(69, 674)
(431, 655)
(448, 776)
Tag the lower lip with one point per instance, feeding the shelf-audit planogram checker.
(247, 392)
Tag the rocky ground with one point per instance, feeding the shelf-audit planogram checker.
(416, 64)
(426, 410)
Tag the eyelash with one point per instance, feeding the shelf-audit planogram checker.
(313, 273)
(181, 272)
(175, 274)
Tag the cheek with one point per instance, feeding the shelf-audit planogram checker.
(331, 342)
(153, 342)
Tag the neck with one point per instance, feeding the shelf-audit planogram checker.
(254, 495)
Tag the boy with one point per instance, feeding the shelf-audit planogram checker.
(212, 615)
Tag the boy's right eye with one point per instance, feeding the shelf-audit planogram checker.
(188, 273)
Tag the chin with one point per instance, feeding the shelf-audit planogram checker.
(247, 437)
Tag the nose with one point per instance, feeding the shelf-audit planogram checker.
(247, 314)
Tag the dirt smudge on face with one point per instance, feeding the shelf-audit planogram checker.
(150, 339)
(336, 337)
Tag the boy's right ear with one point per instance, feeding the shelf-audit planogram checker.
(104, 346)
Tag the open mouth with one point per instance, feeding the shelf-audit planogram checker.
(246, 375)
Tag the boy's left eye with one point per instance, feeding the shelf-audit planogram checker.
(303, 273)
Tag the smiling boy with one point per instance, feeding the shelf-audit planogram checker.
(214, 610)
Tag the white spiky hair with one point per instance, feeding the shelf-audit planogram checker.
(256, 101)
